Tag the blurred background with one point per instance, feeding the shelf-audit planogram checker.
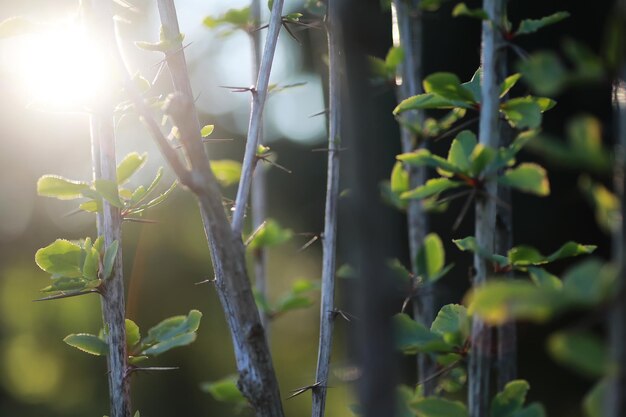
(41, 133)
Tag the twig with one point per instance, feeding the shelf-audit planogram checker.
(479, 361)
(409, 36)
(259, 96)
(329, 240)
(109, 222)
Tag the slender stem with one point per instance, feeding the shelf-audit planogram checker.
(257, 379)
(506, 333)
(99, 17)
(329, 239)
(259, 96)
(259, 181)
(479, 360)
(615, 403)
(408, 28)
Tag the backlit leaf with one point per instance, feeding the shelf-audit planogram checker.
(88, 343)
(61, 188)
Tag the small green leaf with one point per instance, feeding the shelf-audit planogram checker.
(543, 278)
(129, 165)
(428, 101)
(207, 130)
(61, 188)
(544, 72)
(439, 407)
(431, 258)
(522, 113)
(594, 402)
(461, 150)
(17, 26)
(87, 343)
(510, 400)
(132, 334)
(270, 233)
(236, 17)
(171, 343)
(92, 260)
(448, 86)
(109, 191)
(461, 9)
(63, 258)
(394, 57)
(412, 337)
(604, 202)
(399, 179)
(226, 171)
(500, 301)
(527, 177)
(533, 25)
(224, 390)
(109, 259)
(588, 283)
(469, 244)
(431, 187)
(508, 83)
(452, 323)
(172, 332)
(583, 352)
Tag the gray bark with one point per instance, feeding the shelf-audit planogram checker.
(329, 239)
(480, 354)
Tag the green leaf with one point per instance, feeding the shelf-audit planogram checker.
(604, 202)
(595, 400)
(588, 283)
(461, 150)
(428, 101)
(87, 343)
(224, 390)
(92, 261)
(226, 171)
(583, 352)
(439, 407)
(461, 9)
(508, 83)
(526, 255)
(469, 244)
(109, 191)
(236, 17)
(63, 258)
(412, 337)
(510, 400)
(207, 130)
(543, 278)
(133, 336)
(533, 25)
(500, 301)
(527, 177)
(544, 72)
(400, 180)
(129, 165)
(452, 323)
(431, 258)
(172, 332)
(171, 343)
(423, 157)
(394, 58)
(480, 158)
(522, 113)
(109, 259)
(448, 86)
(430, 188)
(61, 188)
(270, 233)
(66, 284)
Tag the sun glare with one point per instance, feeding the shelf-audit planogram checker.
(60, 67)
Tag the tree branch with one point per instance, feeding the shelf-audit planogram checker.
(479, 360)
(259, 96)
(329, 240)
